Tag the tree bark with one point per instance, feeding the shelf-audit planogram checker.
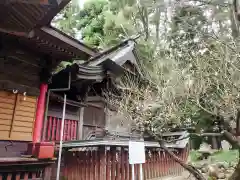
(234, 20)
(143, 13)
(234, 141)
(157, 25)
(214, 142)
(198, 175)
(236, 173)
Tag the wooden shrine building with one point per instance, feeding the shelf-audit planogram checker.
(29, 50)
(95, 138)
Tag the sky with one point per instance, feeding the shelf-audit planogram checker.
(81, 2)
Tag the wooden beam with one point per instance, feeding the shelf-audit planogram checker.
(238, 123)
(18, 33)
(80, 124)
(66, 39)
(14, 114)
(10, 85)
(37, 2)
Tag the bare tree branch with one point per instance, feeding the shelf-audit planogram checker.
(188, 167)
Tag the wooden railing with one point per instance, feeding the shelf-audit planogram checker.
(54, 128)
(112, 164)
(21, 176)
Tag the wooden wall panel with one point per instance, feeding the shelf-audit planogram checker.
(8, 95)
(23, 119)
(116, 122)
(6, 111)
(55, 110)
(17, 115)
(94, 116)
(7, 103)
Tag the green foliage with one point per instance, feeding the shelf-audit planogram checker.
(99, 25)
(91, 22)
(220, 156)
(187, 54)
(188, 28)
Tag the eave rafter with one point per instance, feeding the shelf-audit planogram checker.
(36, 2)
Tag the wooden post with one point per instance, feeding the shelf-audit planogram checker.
(18, 176)
(102, 163)
(91, 167)
(130, 171)
(34, 175)
(123, 164)
(171, 165)
(126, 165)
(25, 176)
(118, 162)
(108, 165)
(164, 160)
(151, 166)
(96, 164)
(155, 163)
(113, 160)
(38, 125)
(54, 125)
(147, 165)
(167, 164)
(160, 163)
(47, 173)
(57, 129)
(137, 172)
(85, 165)
(80, 123)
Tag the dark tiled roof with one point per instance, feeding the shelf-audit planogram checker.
(30, 23)
(181, 143)
(122, 54)
(25, 15)
(49, 40)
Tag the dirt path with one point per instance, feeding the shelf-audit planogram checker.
(184, 176)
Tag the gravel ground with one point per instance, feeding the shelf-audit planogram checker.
(184, 176)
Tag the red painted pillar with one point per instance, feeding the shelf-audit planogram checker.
(37, 131)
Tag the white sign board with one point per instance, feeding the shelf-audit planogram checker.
(136, 152)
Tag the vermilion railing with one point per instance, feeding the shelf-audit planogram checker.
(112, 164)
(21, 176)
(54, 128)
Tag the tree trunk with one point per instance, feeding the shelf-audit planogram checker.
(234, 20)
(157, 25)
(236, 173)
(234, 141)
(214, 142)
(198, 175)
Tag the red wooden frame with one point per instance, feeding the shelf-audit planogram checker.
(107, 165)
(54, 126)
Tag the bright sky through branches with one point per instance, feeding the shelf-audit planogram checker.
(81, 2)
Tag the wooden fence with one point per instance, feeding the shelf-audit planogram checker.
(112, 164)
(54, 127)
(19, 168)
(21, 176)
